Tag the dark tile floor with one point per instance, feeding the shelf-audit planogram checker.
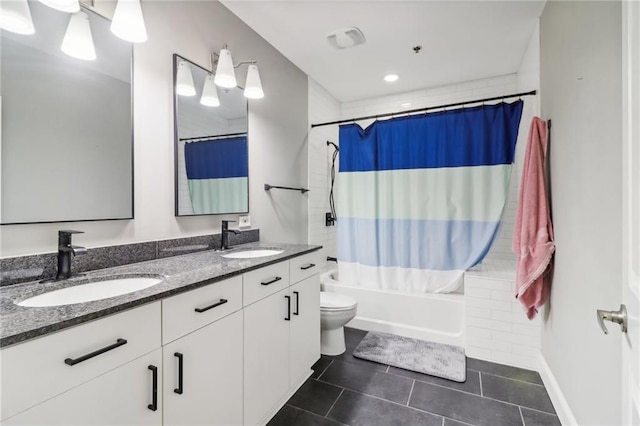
(344, 390)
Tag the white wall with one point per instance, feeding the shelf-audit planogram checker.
(277, 128)
(581, 93)
(322, 108)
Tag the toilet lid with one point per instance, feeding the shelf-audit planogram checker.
(336, 301)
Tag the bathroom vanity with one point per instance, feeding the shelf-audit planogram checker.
(219, 341)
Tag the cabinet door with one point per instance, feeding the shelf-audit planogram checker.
(266, 356)
(124, 396)
(305, 328)
(209, 391)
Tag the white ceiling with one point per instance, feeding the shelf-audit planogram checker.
(461, 40)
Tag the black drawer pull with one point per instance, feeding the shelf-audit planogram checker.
(288, 317)
(154, 397)
(221, 302)
(180, 357)
(70, 361)
(272, 281)
(309, 266)
(297, 303)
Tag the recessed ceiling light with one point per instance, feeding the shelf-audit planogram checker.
(389, 78)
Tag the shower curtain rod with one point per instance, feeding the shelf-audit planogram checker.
(411, 111)
(228, 135)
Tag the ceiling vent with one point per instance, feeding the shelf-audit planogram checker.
(345, 38)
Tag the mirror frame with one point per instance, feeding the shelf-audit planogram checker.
(176, 141)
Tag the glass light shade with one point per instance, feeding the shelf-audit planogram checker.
(225, 74)
(15, 16)
(128, 22)
(68, 6)
(209, 93)
(184, 80)
(78, 41)
(253, 86)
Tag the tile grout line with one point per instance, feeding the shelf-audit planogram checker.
(509, 378)
(325, 369)
(334, 403)
(314, 414)
(411, 392)
(521, 416)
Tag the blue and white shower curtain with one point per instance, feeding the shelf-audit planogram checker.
(217, 173)
(420, 197)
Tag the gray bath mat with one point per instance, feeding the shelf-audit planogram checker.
(435, 359)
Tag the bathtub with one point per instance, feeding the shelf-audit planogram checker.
(434, 317)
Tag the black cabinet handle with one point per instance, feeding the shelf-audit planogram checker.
(154, 397)
(288, 317)
(309, 266)
(72, 362)
(297, 302)
(272, 281)
(180, 357)
(221, 302)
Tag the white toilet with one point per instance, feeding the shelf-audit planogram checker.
(335, 311)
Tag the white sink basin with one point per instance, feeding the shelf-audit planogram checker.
(91, 291)
(250, 254)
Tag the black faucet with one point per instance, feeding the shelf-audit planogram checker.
(225, 234)
(65, 253)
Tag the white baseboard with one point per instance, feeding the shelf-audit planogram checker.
(555, 393)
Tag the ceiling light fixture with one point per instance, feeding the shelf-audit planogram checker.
(78, 41)
(68, 6)
(15, 16)
(390, 78)
(128, 22)
(225, 75)
(184, 80)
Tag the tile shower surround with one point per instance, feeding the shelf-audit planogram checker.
(15, 270)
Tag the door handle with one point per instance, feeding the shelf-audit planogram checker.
(619, 317)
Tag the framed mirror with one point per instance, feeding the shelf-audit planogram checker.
(67, 138)
(211, 147)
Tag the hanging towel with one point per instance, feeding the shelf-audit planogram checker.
(533, 234)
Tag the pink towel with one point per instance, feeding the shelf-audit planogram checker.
(533, 234)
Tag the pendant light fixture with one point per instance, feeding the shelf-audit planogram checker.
(226, 76)
(209, 93)
(15, 16)
(253, 86)
(68, 6)
(184, 80)
(128, 22)
(78, 41)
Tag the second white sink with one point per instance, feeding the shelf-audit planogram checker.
(91, 291)
(249, 254)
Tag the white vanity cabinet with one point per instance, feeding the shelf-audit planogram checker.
(203, 366)
(281, 334)
(94, 373)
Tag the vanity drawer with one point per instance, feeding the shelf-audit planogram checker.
(194, 309)
(262, 282)
(306, 265)
(39, 369)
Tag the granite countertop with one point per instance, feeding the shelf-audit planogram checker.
(179, 273)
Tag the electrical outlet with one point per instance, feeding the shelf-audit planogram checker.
(328, 219)
(244, 221)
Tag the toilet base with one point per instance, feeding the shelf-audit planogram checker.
(332, 342)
